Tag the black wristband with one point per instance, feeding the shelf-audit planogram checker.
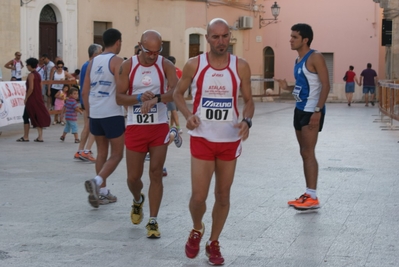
(159, 97)
(248, 121)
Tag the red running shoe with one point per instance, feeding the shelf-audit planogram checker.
(213, 253)
(193, 242)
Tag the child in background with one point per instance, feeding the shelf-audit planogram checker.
(71, 110)
(59, 103)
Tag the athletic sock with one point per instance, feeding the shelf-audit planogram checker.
(103, 191)
(99, 180)
(140, 201)
(311, 192)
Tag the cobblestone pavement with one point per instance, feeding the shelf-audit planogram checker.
(45, 219)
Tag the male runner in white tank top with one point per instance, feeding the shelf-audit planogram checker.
(216, 131)
(146, 82)
(15, 65)
(107, 122)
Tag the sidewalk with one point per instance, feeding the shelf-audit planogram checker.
(45, 219)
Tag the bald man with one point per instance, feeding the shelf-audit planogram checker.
(216, 131)
(146, 83)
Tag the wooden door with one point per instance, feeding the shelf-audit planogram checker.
(48, 39)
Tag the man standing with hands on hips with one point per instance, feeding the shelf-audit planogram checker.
(216, 131)
(310, 92)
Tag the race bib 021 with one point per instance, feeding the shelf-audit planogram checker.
(150, 118)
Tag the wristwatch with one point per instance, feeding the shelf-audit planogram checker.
(316, 109)
(248, 121)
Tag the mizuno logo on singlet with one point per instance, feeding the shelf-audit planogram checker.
(214, 104)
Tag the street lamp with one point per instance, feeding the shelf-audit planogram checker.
(275, 12)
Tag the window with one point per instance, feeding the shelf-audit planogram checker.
(98, 30)
(165, 49)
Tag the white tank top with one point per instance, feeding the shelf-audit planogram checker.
(103, 89)
(17, 73)
(58, 77)
(142, 79)
(215, 94)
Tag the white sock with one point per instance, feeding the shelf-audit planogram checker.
(86, 151)
(153, 219)
(311, 192)
(201, 230)
(103, 191)
(209, 242)
(140, 201)
(99, 180)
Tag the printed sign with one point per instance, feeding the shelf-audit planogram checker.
(12, 96)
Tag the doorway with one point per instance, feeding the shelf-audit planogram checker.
(268, 68)
(48, 32)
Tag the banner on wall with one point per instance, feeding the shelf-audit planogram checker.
(12, 96)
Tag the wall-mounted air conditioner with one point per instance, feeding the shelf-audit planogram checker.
(245, 22)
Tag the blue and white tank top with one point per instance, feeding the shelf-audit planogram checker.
(103, 89)
(307, 85)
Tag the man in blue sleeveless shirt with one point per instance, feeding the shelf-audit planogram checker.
(310, 91)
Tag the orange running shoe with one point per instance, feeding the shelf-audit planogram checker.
(307, 203)
(298, 200)
(87, 156)
(76, 156)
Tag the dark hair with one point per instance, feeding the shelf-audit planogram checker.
(369, 65)
(77, 71)
(172, 59)
(45, 55)
(351, 67)
(66, 85)
(13, 78)
(111, 36)
(304, 30)
(138, 52)
(60, 62)
(66, 68)
(71, 90)
(32, 62)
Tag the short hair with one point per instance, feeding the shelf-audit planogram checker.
(32, 62)
(45, 56)
(77, 71)
(60, 62)
(172, 59)
(111, 36)
(71, 90)
(351, 67)
(93, 49)
(304, 30)
(369, 65)
(66, 85)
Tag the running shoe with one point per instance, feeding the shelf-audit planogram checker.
(178, 140)
(298, 200)
(152, 229)
(106, 199)
(307, 203)
(76, 156)
(136, 215)
(87, 156)
(193, 242)
(213, 253)
(93, 190)
(164, 172)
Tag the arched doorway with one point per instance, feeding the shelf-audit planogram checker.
(194, 46)
(48, 32)
(268, 70)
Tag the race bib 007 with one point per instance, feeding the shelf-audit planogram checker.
(149, 118)
(217, 108)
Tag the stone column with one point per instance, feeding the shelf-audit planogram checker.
(391, 11)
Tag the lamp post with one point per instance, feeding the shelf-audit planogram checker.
(275, 12)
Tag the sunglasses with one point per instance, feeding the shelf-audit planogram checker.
(60, 67)
(150, 53)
